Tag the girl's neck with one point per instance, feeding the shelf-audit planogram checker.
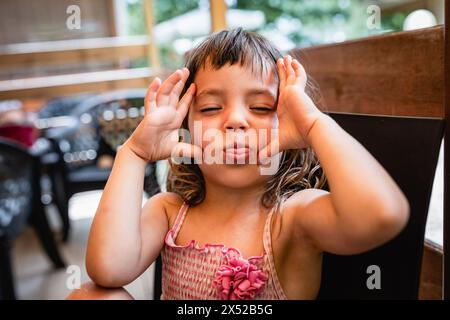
(227, 201)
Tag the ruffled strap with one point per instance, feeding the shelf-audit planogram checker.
(269, 253)
(179, 220)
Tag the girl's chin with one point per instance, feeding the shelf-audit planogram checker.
(234, 176)
(231, 167)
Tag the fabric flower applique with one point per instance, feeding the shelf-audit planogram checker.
(239, 279)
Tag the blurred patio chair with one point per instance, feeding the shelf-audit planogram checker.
(103, 123)
(20, 202)
(62, 106)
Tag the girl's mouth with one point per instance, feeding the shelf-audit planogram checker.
(236, 155)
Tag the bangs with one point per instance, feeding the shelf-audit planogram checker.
(235, 47)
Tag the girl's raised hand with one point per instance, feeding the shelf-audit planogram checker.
(156, 136)
(295, 109)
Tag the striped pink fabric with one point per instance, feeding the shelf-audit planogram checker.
(190, 271)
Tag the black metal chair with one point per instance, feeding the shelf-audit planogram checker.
(103, 123)
(408, 148)
(20, 202)
(62, 106)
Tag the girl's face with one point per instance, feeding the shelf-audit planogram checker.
(236, 110)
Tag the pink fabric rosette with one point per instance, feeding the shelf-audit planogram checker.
(239, 279)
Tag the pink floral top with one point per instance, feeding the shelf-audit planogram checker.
(215, 271)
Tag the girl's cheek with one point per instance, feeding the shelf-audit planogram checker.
(203, 132)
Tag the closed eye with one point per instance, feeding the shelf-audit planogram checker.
(208, 109)
(261, 109)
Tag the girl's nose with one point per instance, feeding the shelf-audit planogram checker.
(236, 119)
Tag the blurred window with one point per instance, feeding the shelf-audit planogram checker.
(179, 25)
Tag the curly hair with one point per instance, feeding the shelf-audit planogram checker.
(298, 169)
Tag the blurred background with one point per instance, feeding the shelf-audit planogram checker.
(73, 75)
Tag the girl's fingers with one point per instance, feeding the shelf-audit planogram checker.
(175, 94)
(288, 64)
(185, 102)
(300, 72)
(163, 96)
(150, 97)
(281, 72)
(297, 67)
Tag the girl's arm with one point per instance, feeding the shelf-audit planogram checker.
(364, 207)
(123, 242)
(125, 239)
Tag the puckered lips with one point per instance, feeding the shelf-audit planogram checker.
(236, 153)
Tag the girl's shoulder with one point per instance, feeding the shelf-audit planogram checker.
(303, 198)
(299, 204)
(286, 223)
(171, 202)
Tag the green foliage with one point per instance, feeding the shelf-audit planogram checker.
(163, 10)
(320, 19)
(168, 9)
(136, 18)
(314, 21)
(394, 21)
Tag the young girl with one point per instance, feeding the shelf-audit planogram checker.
(227, 230)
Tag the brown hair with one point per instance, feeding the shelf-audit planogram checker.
(298, 170)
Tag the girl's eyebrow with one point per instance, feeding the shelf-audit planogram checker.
(266, 92)
(211, 92)
(249, 92)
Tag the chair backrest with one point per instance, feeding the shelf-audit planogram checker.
(408, 149)
(95, 131)
(17, 169)
(62, 106)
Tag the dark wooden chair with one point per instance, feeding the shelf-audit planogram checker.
(378, 76)
(20, 202)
